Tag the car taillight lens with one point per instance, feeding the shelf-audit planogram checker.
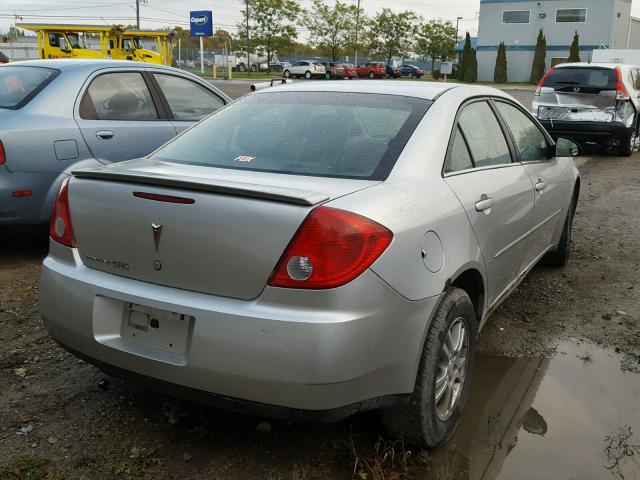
(61, 229)
(541, 82)
(3, 157)
(331, 248)
(621, 90)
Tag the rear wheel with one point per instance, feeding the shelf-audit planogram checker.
(444, 376)
(372, 75)
(627, 145)
(411, 75)
(327, 75)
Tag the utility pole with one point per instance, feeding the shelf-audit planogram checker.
(248, 53)
(457, 24)
(355, 53)
(138, 14)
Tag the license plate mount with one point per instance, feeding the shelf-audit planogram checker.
(161, 329)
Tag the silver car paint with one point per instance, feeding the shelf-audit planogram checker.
(29, 135)
(319, 349)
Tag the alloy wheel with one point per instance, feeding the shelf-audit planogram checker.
(452, 368)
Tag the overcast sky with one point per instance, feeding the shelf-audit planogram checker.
(161, 13)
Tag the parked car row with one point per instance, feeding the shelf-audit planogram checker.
(334, 70)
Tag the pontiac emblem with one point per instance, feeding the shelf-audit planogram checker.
(157, 231)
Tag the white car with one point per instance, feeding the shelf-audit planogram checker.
(305, 68)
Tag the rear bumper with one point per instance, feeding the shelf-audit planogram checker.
(27, 210)
(331, 352)
(586, 131)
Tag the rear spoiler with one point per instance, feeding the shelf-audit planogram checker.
(266, 192)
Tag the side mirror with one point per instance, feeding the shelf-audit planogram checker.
(566, 148)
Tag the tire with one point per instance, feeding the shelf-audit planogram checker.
(626, 145)
(308, 75)
(421, 421)
(286, 74)
(327, 75)
(372, 75)
(254, 68)
(560, 256)
(411, 75)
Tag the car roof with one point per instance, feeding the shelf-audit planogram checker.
(424, 90)
(587, 65)
(69, 63)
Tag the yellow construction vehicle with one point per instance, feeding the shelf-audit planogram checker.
(128, 45)
(67, 41)
(70, 41)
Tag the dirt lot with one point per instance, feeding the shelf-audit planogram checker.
(556, 392)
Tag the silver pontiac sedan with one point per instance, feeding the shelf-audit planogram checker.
(60, 115)
(313, 250)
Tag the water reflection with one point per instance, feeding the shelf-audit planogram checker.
(544, 419)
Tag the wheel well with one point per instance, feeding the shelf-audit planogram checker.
(471, 282)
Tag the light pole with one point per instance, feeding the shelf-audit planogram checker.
(457, 25)
(355, 55)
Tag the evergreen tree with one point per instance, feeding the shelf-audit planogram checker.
(574, 54)
(500, 72)
(466, 52)
(539, 58)
(471, 69)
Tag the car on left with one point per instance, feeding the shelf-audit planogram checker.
(60, 115)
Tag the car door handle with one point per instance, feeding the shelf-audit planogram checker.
(484, 204)
(104, 134)
(541, 185)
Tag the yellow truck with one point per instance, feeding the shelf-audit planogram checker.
(116, 42)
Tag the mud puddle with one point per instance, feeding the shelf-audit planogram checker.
(573, 416)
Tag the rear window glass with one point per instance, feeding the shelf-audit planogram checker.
(329, 134)
(18, 85)
(602, 78)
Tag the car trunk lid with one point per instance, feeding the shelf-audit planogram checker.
(197, 228)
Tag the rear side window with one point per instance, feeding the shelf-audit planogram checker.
(329, 134)
(18, 85)
(118, 96)
(589, 78)
(187, 100)
(459, 157)
(487, 144)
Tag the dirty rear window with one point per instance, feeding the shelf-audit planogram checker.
(592, 78)
(18, 85)
(329, 134)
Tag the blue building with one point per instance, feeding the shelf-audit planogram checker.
(600, 24)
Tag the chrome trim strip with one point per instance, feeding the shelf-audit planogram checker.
(526, 234)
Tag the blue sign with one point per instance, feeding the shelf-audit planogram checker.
(201, 23)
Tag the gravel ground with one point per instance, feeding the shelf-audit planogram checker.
(79, 423)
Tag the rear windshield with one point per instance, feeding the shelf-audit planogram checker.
(598, 78)
(329, 134)
(18, 85)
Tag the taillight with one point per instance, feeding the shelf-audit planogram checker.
(3, 157)
(331, 248)
(621, 90)
(61, 229)
(541, 82)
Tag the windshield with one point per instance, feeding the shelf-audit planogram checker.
(330, 134)
(74, 40)
(598, 78)
(18, 85)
